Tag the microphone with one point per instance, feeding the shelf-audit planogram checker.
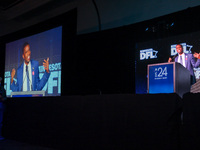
(173, 58)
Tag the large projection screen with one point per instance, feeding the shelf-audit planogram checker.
(47, 44)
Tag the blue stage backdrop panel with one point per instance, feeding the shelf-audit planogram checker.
(159, 51)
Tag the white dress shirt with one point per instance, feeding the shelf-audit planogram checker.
(183, 59)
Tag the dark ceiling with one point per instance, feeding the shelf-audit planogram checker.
(18, 14)
(6, 4)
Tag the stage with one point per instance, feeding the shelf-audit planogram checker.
(121, 121)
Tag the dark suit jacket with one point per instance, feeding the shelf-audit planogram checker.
(37, 84)
(190, 63)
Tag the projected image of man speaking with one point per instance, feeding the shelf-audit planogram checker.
(28, 73)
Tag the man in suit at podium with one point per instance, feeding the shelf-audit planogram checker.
(28, 73)
(187, 60)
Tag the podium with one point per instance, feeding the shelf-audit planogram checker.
(168, 78)
(28, 94)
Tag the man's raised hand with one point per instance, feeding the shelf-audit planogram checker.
(46, 65)
(196, 55)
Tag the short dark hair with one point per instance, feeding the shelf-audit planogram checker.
(24, 45)
(180, 45)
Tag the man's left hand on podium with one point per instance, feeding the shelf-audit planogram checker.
(170, 59)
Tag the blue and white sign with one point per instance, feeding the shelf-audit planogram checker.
(148, 54)
(161, 79)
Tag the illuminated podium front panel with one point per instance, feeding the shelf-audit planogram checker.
(28, 94)
(168, 78)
